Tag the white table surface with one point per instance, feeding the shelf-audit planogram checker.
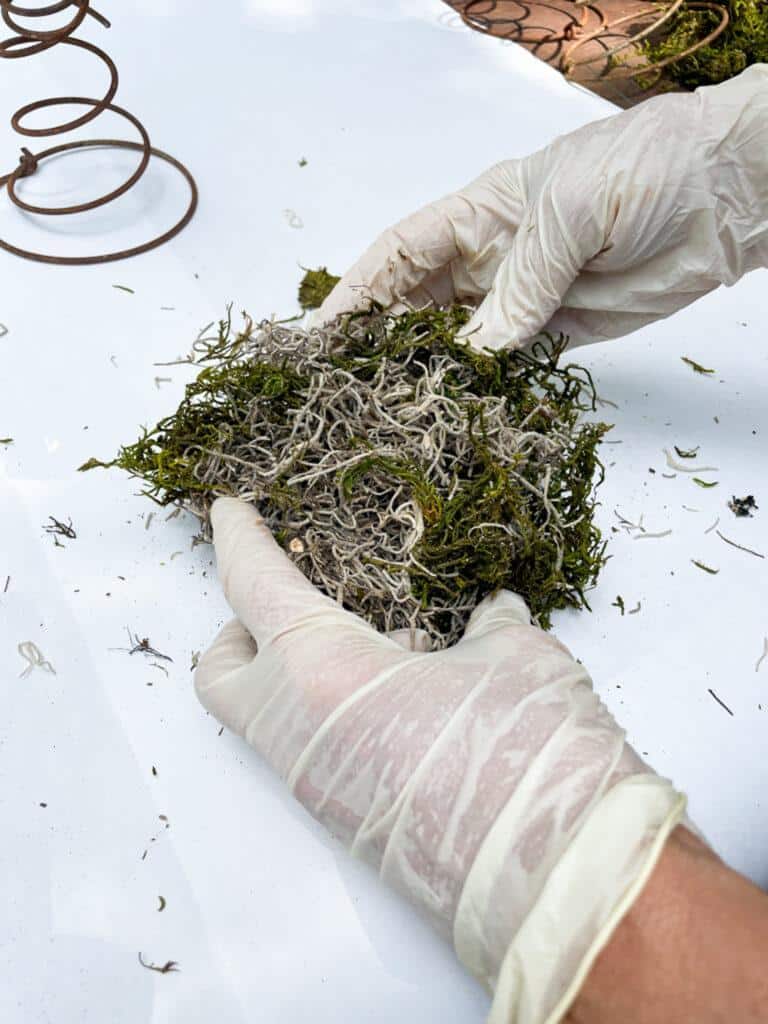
(392, 105)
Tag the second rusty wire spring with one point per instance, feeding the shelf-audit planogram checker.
(499, 20)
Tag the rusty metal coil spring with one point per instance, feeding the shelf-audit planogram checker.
(26, 43)
(486, 16)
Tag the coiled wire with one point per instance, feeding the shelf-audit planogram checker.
(27, 42)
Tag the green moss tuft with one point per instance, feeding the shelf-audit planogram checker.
(315, 287)
(743, 42)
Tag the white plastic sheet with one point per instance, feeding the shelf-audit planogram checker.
(266, 918)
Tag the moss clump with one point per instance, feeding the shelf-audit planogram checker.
(407, 474)
(743, 42)
(315, 287)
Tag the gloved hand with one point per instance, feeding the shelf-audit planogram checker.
(485, 782)
(609, 228)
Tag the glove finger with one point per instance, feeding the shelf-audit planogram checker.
(437, 289)
(399, 260)
(411, 639)
(504, 608)
(495, 625)
(556, 238)
(266, 591)
(224, 680)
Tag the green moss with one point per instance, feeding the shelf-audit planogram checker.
(488, 527)
(315, 287)
(744, 42)
(212, 415)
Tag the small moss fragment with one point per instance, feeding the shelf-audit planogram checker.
(743, 506)
(315, 287)
(696, 367)
(705, 568)
(687, 453)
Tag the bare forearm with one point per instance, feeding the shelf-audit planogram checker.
(692, 948)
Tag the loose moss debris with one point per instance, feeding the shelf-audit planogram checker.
(722, 705)
(167, 968)
(32, 654)
(705, 568)
(60, 529)
(743, 506)
(749, 551)
(696, 367)
(406, 474)
(680, 468)
(141, 646)
(315, 287)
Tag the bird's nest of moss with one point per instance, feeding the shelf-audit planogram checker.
(406, 474)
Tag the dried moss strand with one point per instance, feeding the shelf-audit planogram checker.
(405, 473)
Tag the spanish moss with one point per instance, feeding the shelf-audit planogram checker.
(406, 474)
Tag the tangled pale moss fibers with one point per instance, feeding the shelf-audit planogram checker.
(405, 474)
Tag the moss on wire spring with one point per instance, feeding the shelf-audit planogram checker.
(744, 42)
(406, 474)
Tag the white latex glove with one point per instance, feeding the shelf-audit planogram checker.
(487, 783)
(615, 225)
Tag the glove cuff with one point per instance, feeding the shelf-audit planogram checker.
(593, 885)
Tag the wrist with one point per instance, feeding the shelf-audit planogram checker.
(690, 948)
